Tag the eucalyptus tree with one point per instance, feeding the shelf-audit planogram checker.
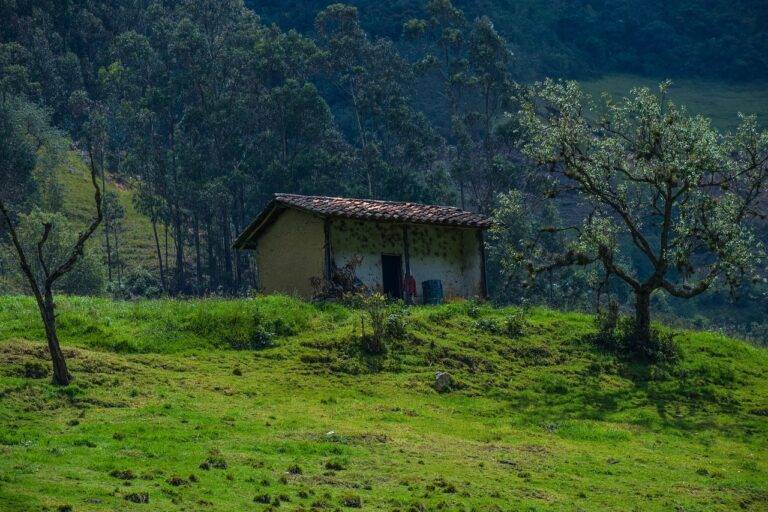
(394, 143)
(472, 64)
(649, 179)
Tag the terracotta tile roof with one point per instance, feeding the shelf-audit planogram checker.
(366, 209)
(370, 209)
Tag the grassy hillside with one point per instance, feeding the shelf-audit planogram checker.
(163, 407)
(717, 100)
(138, 247)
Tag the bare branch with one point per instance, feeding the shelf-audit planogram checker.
(40, 245)
(77, 250)
(25, 267)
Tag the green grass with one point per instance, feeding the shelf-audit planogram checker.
(719, 101)
(137, 246)
(544, 421)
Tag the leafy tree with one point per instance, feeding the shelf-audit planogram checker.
(651, 177)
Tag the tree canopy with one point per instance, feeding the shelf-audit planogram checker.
(652, 184)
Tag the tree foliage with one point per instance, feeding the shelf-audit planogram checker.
(647, 176)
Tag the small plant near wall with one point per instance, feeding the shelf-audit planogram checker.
(375, 307)
(380, 323)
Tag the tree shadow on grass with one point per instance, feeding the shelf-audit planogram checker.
(617, 388)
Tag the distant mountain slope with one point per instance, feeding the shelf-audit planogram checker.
(720, 101)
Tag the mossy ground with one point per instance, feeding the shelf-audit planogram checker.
(163, 408)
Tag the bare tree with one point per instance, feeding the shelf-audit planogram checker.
(43, 288)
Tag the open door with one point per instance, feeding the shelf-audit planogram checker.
(392, 275)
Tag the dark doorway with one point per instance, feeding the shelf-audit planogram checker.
(391, 275)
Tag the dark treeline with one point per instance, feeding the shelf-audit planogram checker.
(715, 39)
(207, 112)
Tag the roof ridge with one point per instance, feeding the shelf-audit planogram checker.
(381, 201)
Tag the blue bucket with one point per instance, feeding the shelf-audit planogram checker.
(432, 291)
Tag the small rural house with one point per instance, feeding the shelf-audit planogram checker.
(305, 244)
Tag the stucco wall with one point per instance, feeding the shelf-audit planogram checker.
(290, 253)
(449, 254)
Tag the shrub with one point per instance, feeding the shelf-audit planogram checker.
(396, 325)
(375, 307)
(489, 325)
(616, 333)
(472, 308)
(252, 336)
(515, 324)
(608, 320)
(663, 349)
(139, 283)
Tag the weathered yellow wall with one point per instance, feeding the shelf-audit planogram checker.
(290, 253)
(451, 255)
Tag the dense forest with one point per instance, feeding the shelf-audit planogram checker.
(714, 39)
(203, 109)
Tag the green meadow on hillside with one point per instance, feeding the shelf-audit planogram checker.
(169, 406)
(720, 101)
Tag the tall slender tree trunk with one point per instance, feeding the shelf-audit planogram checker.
(159, 255)
(178, 227)
(213, 279)
(198, 258)
(226, 246)
(118, 262)
(107, 247)
(61, 375)
(165, 232)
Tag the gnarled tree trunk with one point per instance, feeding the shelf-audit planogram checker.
(642, 334)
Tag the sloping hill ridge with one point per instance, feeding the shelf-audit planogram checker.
(166, 409)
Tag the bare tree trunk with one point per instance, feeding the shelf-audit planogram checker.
(227, 241)
(118, 262)
(107, 247)
(213, 280)
(178, 227)
(61, 374)
(43, 289)
(165, 230)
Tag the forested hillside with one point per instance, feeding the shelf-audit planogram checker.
(714, 39)
(194, 112)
